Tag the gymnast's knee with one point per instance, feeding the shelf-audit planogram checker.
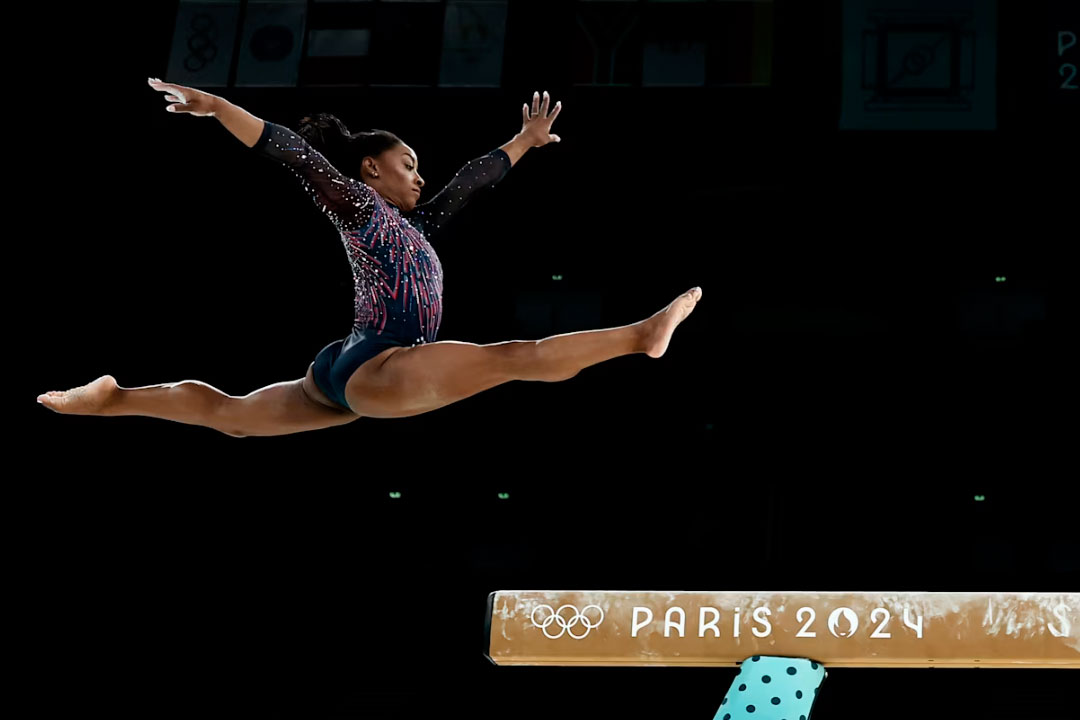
(229, 430)
(226, 422)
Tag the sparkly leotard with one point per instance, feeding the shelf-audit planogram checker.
(397, 276)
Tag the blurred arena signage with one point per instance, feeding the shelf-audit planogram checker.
(839, 629)
(1064, 21)
(919, 65)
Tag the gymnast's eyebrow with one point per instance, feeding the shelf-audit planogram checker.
(408, 155)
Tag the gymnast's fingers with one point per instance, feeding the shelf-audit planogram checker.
(177, 90)
(555, 113)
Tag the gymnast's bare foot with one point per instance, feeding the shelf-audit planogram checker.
(658, 328)
(90, 399)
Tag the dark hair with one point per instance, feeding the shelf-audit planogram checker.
(342, 149)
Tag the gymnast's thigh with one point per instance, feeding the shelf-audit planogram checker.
(315, 393)
(361, 354)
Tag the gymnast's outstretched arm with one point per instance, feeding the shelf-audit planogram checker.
(245, 126)
(345, 201)
(486, 171)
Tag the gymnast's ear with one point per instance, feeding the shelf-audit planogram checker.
(368, 168)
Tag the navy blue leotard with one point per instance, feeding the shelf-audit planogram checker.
(397, 276)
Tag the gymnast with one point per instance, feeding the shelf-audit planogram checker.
(390, 365)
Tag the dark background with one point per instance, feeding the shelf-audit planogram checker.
(852, 378)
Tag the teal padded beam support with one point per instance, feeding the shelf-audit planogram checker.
(769, 687)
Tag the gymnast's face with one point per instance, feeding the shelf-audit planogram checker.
(394, 175)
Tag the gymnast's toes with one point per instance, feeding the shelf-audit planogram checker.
(659, 327)
(90, 399)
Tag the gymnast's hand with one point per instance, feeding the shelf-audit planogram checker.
(536, 127)
(188, 100)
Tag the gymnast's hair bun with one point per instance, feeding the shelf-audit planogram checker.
(324, 131)
(346, 150)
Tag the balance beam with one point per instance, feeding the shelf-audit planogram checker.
(838, 629)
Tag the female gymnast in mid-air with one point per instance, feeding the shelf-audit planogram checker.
(389, 366)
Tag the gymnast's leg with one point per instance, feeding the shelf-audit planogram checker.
(415, 380)
(279, 409)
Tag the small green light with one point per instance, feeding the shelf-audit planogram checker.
(999, 278)
(504, 496)
(395, 495)
(708, 426)
(556, 277)
(980, 498)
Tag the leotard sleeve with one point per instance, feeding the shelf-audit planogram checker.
(347, 202)
(472, 178)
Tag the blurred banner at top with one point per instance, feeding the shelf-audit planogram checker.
(204, 42)
(673, 43)
(286, 43)
(474, 35)
(462, 43)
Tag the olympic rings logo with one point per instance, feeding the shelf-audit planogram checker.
(567, 624)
